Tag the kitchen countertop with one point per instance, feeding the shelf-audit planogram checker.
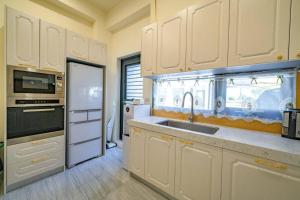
(261, 144)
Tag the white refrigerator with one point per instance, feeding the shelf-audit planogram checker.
(84, 112)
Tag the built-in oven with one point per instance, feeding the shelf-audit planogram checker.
(31, 123)
(35, 104)
(31, 84)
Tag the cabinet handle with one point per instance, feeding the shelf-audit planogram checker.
(189, 69)
(136, 130)
(81, 58)
(49, 68)
(35, 161)
(38, 142)
(186, 142)
(181, 69)
(279, 57)
(25, 65)
(298, 55)
(271, 164)
(166, 138)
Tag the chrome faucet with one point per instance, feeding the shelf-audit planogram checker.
(191, 116)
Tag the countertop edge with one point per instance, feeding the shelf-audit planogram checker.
(249, 149)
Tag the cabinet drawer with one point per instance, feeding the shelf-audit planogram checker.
(92, 115)
(30, 150)
(84, 131)
(32, 167)
(84, 151)
(78, 116)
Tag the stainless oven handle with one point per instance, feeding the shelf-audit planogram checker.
(39, 110)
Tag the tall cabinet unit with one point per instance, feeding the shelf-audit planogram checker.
(52, 47)
(259, 31)
(246, 177)
(172, 44)
(198, 171)
(22, 38)
(295, 31)
(207, 35)
(149, 50)
(160, 161)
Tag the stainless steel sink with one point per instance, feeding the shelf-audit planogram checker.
(190, 126)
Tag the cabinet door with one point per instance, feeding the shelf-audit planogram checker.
(295, 31)
(259, 31)
(97, 52)
(149, 50)
(172, 44)
(207, 35)
(137, 152)
(246, 178)
(160, 161)
(77, 46)
(22, 39)
(52, 51)
(198, 171)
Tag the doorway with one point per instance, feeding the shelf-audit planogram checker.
(131, 84)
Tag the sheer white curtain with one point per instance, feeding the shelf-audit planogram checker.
(260, 96)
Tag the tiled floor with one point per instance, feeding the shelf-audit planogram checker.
(101, 178)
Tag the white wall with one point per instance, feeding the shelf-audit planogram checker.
(124, 43)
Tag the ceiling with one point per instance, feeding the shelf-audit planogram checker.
(104, 5)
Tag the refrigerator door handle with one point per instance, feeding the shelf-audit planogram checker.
(82, 122)
(97, 138)
(88, 110)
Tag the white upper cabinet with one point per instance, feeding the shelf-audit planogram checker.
(295, 31)
(207, 35)
(149, 49)
(160, 161)
(77, 46)
(198, 171)
(246, 178)
(259, 31)
(22, 39)
(137, 152)
(97, 52)
(52, 47)
(172, 44)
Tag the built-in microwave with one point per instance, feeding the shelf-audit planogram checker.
(38, 86)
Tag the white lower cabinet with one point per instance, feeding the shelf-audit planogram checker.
(246, 177)
(33, 158)
(160, 161)
(187, 170)
(198, 171)
(137, 152)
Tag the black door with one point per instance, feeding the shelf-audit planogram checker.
(131, 84)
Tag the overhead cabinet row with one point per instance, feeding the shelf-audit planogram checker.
(201, 37)
(32, 42)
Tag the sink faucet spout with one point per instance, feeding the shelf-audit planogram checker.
(191, 116)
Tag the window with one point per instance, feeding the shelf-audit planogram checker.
(134, 82)
(261, 96)
(170, 93)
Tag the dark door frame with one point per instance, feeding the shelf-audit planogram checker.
(136, 59)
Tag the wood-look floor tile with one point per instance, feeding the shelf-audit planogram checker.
(99, 179)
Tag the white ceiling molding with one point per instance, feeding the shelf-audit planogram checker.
(133, 17)
(67, 10)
